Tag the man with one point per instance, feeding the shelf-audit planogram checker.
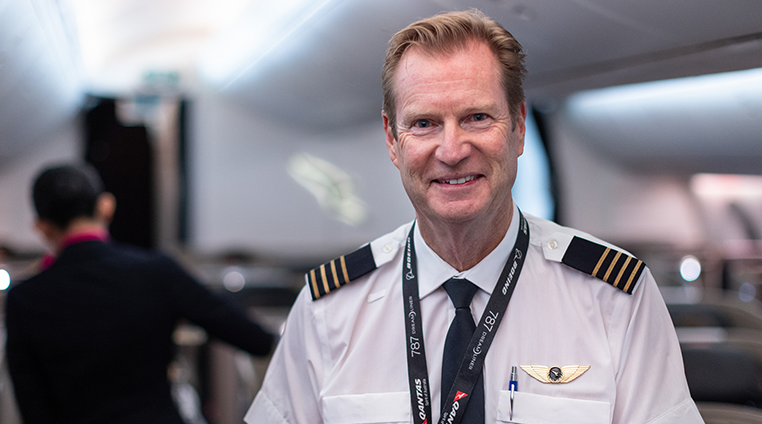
(89, 339)
(548, 338)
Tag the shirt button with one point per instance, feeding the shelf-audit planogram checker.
(552, 245)
(387, 248)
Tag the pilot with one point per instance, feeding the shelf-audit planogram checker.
(89, 339)
(474, 312)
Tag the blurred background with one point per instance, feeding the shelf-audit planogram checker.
(245, 138)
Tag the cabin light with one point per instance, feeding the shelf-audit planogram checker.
(260, 29)
(722, 89)
(747, 292)
(678, 117)
(5, 279)
(727, 186)
(690, 268)
(233, 281)
(118, 41)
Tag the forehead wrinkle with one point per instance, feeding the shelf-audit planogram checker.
(427, 97)
(426, 87)
(414, 106)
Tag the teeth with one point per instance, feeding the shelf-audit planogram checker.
(458, 181)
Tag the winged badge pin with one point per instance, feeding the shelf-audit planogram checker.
(555, 375)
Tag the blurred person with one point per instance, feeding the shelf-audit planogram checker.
(89, 338)
(416, 326)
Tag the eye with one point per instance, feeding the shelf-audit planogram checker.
(422, 123)
(480, 116)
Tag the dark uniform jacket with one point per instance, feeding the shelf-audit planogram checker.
(90, 338)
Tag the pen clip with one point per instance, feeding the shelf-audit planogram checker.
(513, 386)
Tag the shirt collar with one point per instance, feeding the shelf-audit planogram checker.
(78, 237)
(87, 235)
(433, 270)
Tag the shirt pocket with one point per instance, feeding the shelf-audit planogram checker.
(530, 408)
(368, 408)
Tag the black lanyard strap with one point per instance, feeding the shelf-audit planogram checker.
(472, 364)
(418, 373)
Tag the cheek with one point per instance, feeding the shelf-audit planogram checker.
(502, 143)
(503, 131)
(407, 151)
(402, 139)
(515, 140)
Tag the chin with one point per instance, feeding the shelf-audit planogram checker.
(457, 214)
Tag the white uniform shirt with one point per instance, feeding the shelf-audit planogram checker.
(342, 358)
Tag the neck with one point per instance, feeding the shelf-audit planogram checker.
(80, 227)
(463, 245)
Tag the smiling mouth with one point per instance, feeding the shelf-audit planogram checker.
(458, 180)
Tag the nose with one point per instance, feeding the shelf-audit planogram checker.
(454, 146)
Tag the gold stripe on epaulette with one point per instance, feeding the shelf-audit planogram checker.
(621, 271)
(324, 278)
(611, 266)
(607, 264)
(633, 274)
(344, 269)
(600, 262)
(335, 274)
(313, 281)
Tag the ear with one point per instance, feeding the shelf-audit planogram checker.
(521, 129)
(391, 141)
(105, 207)
(50, 232)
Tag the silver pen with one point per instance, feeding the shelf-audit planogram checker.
(513, 386)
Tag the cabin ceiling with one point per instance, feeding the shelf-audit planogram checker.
(319, 69)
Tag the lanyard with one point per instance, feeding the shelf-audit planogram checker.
(471, 367)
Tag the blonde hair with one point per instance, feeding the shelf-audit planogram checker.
(450, 32)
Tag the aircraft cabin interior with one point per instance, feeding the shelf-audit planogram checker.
(245, 138)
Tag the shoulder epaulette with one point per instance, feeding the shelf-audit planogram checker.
(612, 266)
(338, 272)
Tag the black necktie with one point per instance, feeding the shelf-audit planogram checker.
(461, 291)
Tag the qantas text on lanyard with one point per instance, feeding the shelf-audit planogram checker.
(471, 367)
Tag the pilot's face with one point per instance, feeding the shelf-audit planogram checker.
(456, 148)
